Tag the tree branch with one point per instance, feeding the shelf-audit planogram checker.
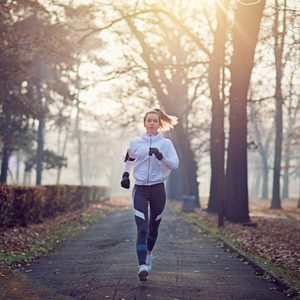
(182, 26)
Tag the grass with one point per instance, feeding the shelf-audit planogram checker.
(53, 234)
(276, 270)
(212, 230)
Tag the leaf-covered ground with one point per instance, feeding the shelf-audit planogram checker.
(21, 245)
(276, 238)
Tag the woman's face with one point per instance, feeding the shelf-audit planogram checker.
(151, 123)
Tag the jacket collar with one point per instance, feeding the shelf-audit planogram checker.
(154, 138)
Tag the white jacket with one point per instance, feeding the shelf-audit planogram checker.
(148, 170)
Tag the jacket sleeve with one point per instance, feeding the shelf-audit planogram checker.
(131, 150)
(170, 158)
(128, 160)
(128, 166)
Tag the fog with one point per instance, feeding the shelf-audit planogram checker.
(102, 93)
(103, 155)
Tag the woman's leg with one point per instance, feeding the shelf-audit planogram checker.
(140, 206)
(157, 205)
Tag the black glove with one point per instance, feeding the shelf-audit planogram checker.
(155, 151)
(125, 182)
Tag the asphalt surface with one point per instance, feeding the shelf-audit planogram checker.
(102, 264)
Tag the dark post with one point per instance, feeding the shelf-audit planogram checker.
(188, 203)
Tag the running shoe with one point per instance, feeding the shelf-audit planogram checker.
(149, 262)
(143, 272)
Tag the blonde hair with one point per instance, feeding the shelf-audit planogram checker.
(166, 122)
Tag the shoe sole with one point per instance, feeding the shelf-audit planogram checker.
(143, 275)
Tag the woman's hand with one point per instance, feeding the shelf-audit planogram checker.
(156, 152)
(125, 182)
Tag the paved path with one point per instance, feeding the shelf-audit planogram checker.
(101, 264)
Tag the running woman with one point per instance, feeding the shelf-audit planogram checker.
(153, 157)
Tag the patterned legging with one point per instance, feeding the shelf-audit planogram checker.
(147, 228)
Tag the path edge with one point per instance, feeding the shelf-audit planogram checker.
(287, 288)
(291, 290)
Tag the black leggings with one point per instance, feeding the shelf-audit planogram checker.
(147, 231)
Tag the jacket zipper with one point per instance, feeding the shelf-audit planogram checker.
(149, 161)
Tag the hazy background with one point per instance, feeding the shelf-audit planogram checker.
(109, 88)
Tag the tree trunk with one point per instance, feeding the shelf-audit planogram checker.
(174, 185)
(41, 128)
(40, 151)
(276, 201)
(256, 183)
(6, 151)
(187, 165)
(278, 52)
(27, 175)
(18, 161)
(298, 206)
(183, 181)
(265, 183)
(263, 148)
(193, 182)
(221, 182)
(286, 175)
(217, 148)
(62, 154)
(244, 43)
(4, 163)
(79, 143)
(287, 154)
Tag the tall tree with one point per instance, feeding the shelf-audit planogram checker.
(289, 136)
(217, 135)
(169, 58)
(279, 40)
(62, 122)
(263, 137)
(244, 42)
(33, 50)
(171, 84)
(79, 140)
(15, 96)
(41, 124)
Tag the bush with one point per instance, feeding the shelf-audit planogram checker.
(6, 205)
(99, 193)
(28, 205)
(20, 205)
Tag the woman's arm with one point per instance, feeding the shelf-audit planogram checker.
(170, 158)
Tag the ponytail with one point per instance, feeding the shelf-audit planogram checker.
(166, 122)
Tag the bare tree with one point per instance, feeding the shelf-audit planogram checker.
(217, 135)
(263, 138)
(279, 40)
(244, 42)
(292, 114)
